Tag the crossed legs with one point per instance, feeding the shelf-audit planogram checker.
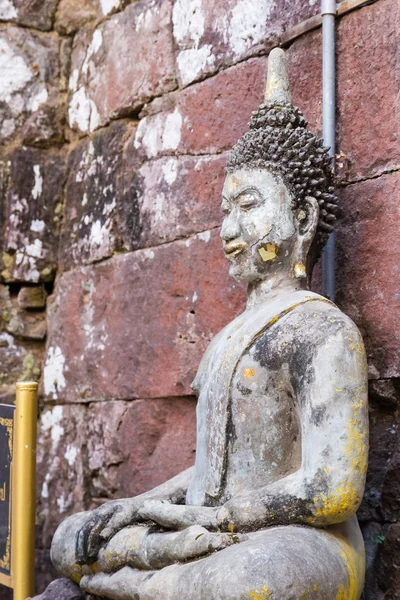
(282, 563)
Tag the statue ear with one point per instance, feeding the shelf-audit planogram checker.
(307, 218)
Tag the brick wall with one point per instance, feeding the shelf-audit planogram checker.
(115, 122)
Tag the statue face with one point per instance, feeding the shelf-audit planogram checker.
(259, 230)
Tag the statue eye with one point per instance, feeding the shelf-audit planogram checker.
(248, 200)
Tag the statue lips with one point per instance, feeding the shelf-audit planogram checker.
(233, 249)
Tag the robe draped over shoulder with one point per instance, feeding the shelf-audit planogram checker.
(213, 386)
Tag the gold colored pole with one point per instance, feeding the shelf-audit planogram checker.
(24, 491)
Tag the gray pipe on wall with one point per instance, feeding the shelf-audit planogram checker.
(328, 12)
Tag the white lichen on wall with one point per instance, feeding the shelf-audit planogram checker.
(188, 21)
(35, 101)
(53, 373)
(93, 48)
(205, 236)
(37, 226)
(188, 26)
(170, 170)
(107, 6)
(14, 73)
(246, 25)
(82, 110)
(194, 61)
(70, 454)
(7, 10)
(25, 259)
(241, 26)
(50, 423)
(7, 128)
(172, 131)
(38, 185)
(159, 133)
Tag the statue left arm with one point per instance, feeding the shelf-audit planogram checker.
(329, 485)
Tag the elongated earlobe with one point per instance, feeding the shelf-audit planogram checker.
(307, 218)
(299, 270)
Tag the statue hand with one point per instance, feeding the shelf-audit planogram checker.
(181, 516)
(243, 513)
(102, 523)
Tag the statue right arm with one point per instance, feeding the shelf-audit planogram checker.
(331, 382)
(109, 518)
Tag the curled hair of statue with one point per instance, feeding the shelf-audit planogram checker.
(278, 140)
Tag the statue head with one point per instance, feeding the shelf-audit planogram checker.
(278, 195)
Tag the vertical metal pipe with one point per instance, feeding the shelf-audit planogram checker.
(328, 12)
(24, 491)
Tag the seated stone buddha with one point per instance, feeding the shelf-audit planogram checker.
(268, 510)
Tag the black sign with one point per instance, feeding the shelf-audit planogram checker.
(6, 448)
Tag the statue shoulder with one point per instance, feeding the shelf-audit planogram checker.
(320, 320)
(303, 329)
(320, 317)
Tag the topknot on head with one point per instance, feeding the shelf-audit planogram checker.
(277, 89)
(278, 140)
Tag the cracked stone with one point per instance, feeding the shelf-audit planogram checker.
(33, 214)
(37, 14)
(368, 253)
(158, 306)
(29, 75)
(124, 63)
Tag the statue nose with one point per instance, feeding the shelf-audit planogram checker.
(230, 229)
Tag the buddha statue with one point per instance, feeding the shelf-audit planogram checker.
(268, 510)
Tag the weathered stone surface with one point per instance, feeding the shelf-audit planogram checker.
(33, 214)
(89, 230)
(6, 306)
(45, 573)
(4, 182)
(18, 362)
(125, 62)
(105, 451)
(391, 492)
(138, 323)
(373, 534)
(45, 127)
(305, 73)
(164, 434)
(33, 13)
(61, 467)
(367, 43)
(210, 34)
(368, 259)
(369, 124)
(389, 563)
(32, 297)
(29, 72)
(174, 197)
(385, 393)
(60, 589)
(28, 326)
(73, 14)
(19, 322)
(208, 117)
(155, 441)
(383, 435)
